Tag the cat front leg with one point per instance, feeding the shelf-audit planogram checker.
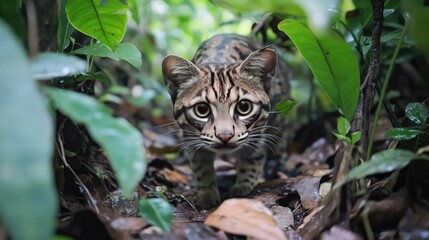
(201, 162)
(249, 171)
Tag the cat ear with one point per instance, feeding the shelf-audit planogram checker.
(177, 72)
(261, 64)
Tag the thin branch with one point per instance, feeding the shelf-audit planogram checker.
(362, 116)
(60, 148)
(33, 29)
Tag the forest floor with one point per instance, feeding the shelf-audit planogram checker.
(294, 201)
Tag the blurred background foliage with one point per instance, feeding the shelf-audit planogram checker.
(162, 27)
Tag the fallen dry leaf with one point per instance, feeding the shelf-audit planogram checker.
(308, 190)
(337, 232)
(129, 224)
(245, 217)
(283, 216)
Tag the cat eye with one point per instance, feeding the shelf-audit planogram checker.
(202, 110)
(244, 107)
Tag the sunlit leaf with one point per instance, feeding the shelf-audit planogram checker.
(157, 212)
(28, 201)
(122, 143)
(382, 162)
(50, 65)
(342, 137)
(319, 13)
(355, 137)
(403, 133)
(343, 126)
(105, 22)
(246, 217)
(133, 6)
(332, 62)
(125, 51)
(417, 113)
(284, 107)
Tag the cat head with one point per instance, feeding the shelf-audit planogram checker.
(221, 105)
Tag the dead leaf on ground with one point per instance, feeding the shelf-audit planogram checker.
(283, 216)
(386, 213)
(164, 173)
(324, 217)
(316, 154)
(245, 217)
(127, 226)
(337, 232)
(308, 190)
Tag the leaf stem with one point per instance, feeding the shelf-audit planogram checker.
(367, 226)
(383, 91)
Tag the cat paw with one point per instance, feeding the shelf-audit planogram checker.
(207, 197)
(239, 191)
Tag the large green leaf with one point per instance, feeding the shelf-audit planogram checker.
(28, 201)
(157, 212)
(332, 62)
(125, 51)
(319, 13)
(122, 143)
(49, 65)
(102, 20)
(382, 162)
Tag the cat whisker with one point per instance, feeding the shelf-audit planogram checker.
(266, 127)
(167, 124)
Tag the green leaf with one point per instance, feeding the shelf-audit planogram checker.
(65, 29)
(28, 201)
(343, 126)
(417, 13)
(284, 106)
(10, 12)
(319, 13)
(125, 51)
(105, 22)
(342, 137)
(382, 162)
(403, 133)
(100, 76)
(332, 62)
(134, 9)
(355, 137)
(122, 143)
(50, 65)
(157, 212)
(417, 113)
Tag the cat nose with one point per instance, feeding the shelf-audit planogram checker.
(224, 137)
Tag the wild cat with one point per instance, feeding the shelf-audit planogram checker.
(222, 100)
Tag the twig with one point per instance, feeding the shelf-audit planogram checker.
(190, 204)
(384, 89)
(361, 120)
(60, 148)
(260, 24)
(33, 29)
